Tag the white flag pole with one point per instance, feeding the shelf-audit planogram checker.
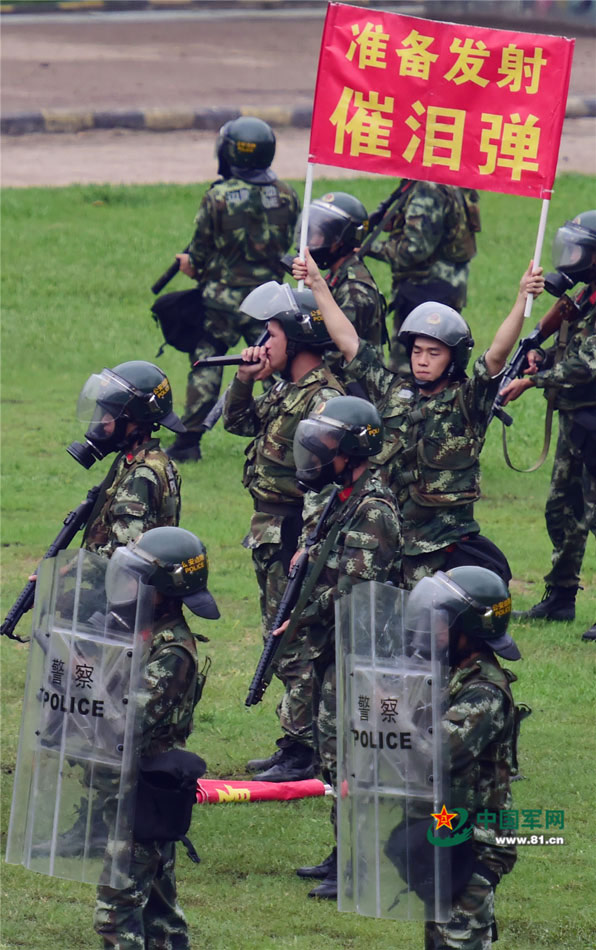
(538, 250)
(305, 212)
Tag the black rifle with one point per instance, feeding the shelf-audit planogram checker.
(264, 671)
(564, 309)
(384, 213)
(216, 411)
(167, 275)
(73, 522)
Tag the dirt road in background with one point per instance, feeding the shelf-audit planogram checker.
(121, 61)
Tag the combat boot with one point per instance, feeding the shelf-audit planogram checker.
(328, 888)
(186, 448)
(71, 843)
(322, 870)
(558, 603)
(590, 634)
(295, 764)
(261, 765)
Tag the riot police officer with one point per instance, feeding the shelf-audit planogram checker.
(243, 226)
(337, 226)
(122, 408)
(571, 504)
(295, 348)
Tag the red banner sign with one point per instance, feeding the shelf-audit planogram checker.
(216, 791)
(444, 102)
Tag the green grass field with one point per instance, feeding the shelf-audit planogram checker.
(77, 265)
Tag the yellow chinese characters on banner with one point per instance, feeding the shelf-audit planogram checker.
(438, 101)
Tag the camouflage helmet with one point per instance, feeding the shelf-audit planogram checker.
(246, 143)
(295, 310)
(337, 223)
(172, 560)
(442, 323)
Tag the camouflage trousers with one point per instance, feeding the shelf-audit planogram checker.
(325, 714)
(294, 668)
(145, 915)
(472, 922)
(570, 508)
(223, 330)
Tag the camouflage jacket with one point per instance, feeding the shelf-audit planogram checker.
(430, 239)
(367, 548)
(140, 491)
(430, 457)
(574, 376)
(354, 290)
(241, 232)
(272, 419)
(172, 686)
(482, 726)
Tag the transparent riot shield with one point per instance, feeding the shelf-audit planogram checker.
(76, 771)
(392, 760)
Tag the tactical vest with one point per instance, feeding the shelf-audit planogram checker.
(262, 217)
(431, 450)
(462, 223)
(167, 511)
(177, 728)
(270, 470)
(484, 783)
(580, 394)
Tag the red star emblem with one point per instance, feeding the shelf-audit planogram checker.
(444, 818)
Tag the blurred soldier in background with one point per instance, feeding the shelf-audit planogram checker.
(244, 224)
(174, 562)
(571, 375)
(429, 246)
(435, 422)
(337, 226)
(361, 542)
(297, 341)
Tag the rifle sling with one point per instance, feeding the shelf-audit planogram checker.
(550, 406)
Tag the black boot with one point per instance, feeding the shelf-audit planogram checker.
(260, 765)
(590, 634)
(320, 871)
(186, 448)
(328, 888)
(295, 764)
(71, 843)
(558, 603)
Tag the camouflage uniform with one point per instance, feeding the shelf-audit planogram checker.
(146, 915)
(140, 491)
(367, 548)
(356, 294)
(429, 248)
(270, 476)
(241, 232)
(430, 458)
(571, 503)
(481, 724)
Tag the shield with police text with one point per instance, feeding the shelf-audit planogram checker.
(392, 757)
(76, 772)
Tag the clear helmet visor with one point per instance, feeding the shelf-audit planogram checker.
(316, 444)
(269, 300)
(104, 394)
(573, 249)
(325, 227)
(432, 609)
(125, 571)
